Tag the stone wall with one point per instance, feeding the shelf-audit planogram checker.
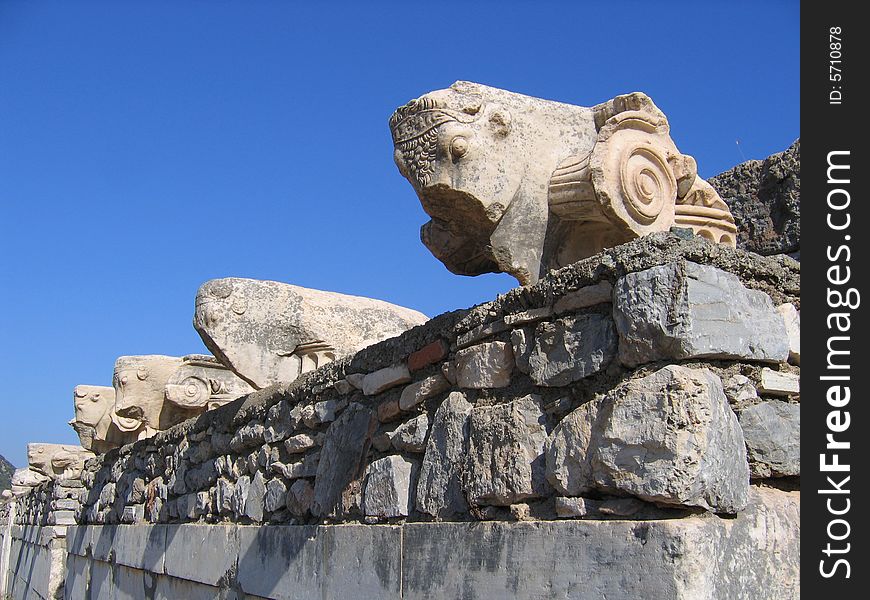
(624, 399)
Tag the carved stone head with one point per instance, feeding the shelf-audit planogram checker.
(523, 185)
(93, 413)
(57, 460)
(140, 388)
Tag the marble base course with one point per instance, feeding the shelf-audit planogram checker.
(695, 558)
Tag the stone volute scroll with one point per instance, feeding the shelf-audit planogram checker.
(523, 185)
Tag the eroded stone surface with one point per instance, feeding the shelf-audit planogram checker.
(419, 391)
(486, 365)
(411, 435)
(772, 432)
(792, 319)
(523, 185)
(269, 332)
(63, 461)
(669, 437)
(686, 310)
(439, 489)
(571, 348)
(94, 405)
(344, 449)
(505, 462)
(779, 383)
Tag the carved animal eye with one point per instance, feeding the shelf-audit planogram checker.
(458, 147)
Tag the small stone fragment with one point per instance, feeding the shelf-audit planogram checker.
(528, 316)
(481, 332)
(419, 391)
(792, 319)
(384, 379)
(411, 436)
(343, 387)
(389, 410)
(254, 501)
(739, 390)
(299, 443)
(486, 365)
(356, 379)
(779, 383)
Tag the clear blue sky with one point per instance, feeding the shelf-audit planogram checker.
(146, 147)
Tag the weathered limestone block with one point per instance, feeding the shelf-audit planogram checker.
(772, 432)
(57, 460)
(94, 405)
(505, 462)
(388, 488)
(269, 332)
(687, 310)
(299, 497)
(792, 319)
(571, 348)
(342, 457)
(586, 296)
(384, 379)
(669, 437)
(487, 365)
(439, 488)
(523, 185)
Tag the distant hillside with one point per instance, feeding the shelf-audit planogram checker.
(6, 470)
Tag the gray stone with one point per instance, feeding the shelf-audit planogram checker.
(439, 488)
(325, 411)
(528, 316)
(254, 501)
(299, 497)
(686, 310)
(269, 332)
(419, 391)
(505, 462)
(754, 556)
(201, 553)
(224, 496)
(411, 435)
(384, 379)
(276, 495)
(299, 443)
(571, 348)
(522, 342)
(779, 383)
(585, 297)
(388, 488)
(342, 457)
(765, 199)
(486, 365)
(480, 333)
(240, 495)
(307, 467)
(343, 387)
(772, 432)
(669, 437)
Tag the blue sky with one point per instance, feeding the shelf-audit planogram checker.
(146, 147)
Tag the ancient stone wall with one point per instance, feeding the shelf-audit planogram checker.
(635, 414)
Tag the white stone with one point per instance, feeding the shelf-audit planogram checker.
(779, 383)
(269, 332)
(486, 365)
(384, 379)
(299, 443)
(792, 319)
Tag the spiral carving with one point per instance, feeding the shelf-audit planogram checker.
(191, 392)
(632, 174)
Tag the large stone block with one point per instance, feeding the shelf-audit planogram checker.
(505, 462)
(755, 556)
(523, 185)
(772, 431)
(687, 310)
(571, 348)
(269, 332)
(669, 437)
(342, 458)
(486, 365)
(439, 488)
